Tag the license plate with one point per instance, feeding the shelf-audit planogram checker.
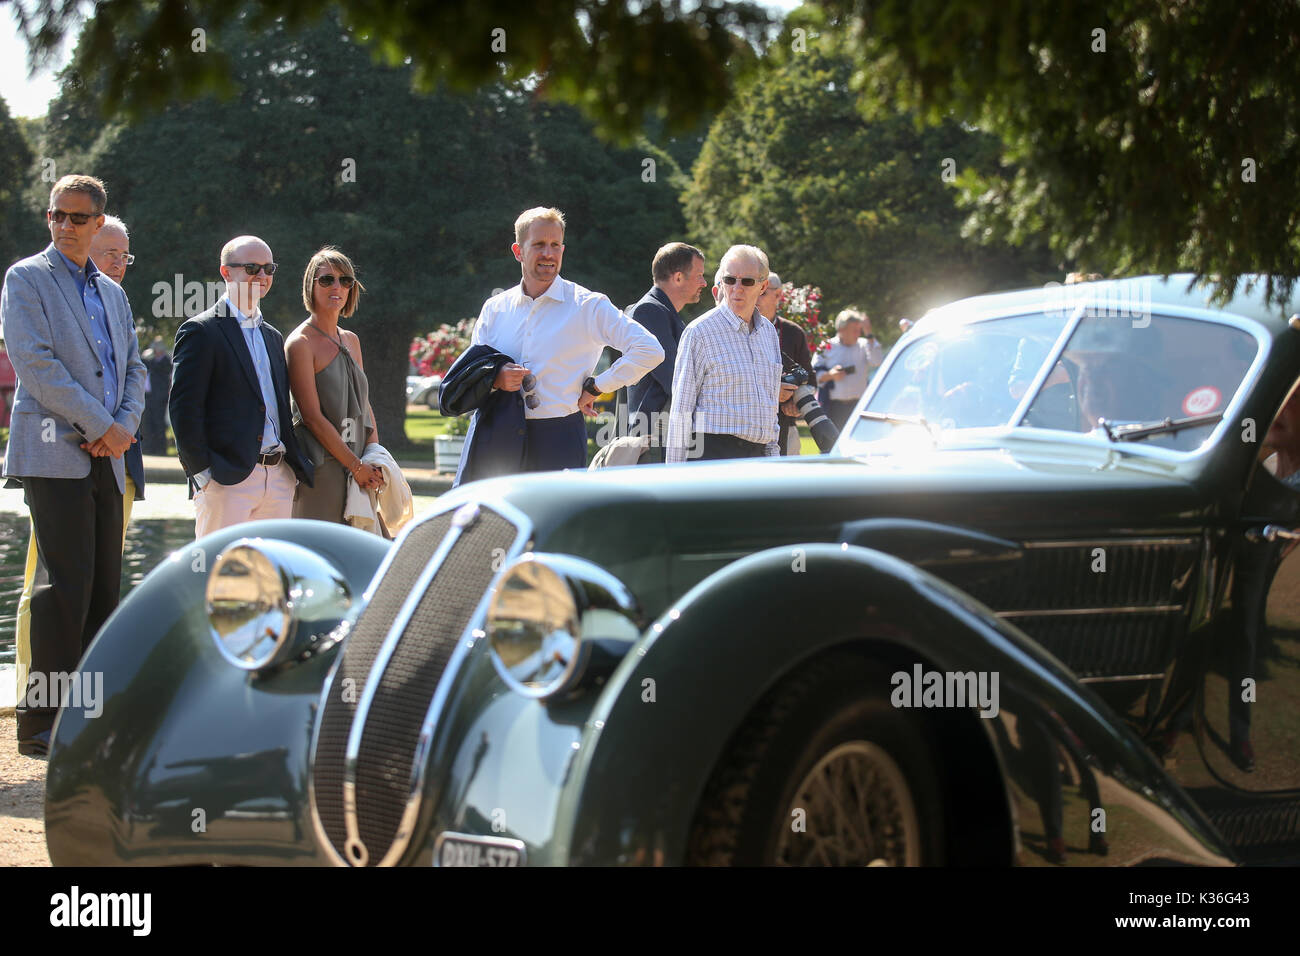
(463, 849)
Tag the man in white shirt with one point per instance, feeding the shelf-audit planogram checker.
(727, 384)
(845, 367)
(555, 331)
(230, 401)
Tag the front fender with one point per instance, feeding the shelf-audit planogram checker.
(189, 759)
(664, 719)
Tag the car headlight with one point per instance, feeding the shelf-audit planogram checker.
(556, 622)
(269, 602)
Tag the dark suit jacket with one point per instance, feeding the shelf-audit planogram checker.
(794, 348)
(216, 403)
(654, 392)
(497, 437)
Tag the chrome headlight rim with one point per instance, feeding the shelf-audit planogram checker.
(300, 603)
(584, 612)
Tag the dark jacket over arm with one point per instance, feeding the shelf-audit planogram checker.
(496, 440)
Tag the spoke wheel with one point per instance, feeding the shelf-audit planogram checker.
(824, 772)
(854, 808)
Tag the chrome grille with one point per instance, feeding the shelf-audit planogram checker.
(399, 650)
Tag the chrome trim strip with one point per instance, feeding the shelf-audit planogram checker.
(1109, 680)
(382, 659)
(1114, 542)
(473, 631)
(1079, 611)
(322, 838)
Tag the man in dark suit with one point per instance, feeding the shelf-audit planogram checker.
(230, 401)
(678, 273)
(70, 335)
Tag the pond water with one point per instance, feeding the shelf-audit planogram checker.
(148, 541)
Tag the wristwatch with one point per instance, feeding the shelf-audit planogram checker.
(589, 386)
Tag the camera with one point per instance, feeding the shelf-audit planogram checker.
(847, 370)
(821, 428)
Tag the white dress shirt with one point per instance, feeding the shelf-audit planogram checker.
(864, 355)
(559, 336)
(727, 382)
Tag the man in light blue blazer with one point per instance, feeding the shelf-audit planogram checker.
(70, 335)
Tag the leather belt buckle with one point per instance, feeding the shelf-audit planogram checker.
(270, 460)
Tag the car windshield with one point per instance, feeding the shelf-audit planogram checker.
(1117, 369)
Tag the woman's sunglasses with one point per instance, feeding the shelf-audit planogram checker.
(328, 281)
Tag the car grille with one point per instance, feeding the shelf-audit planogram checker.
(388, 671)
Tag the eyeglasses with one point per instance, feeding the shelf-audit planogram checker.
(78, 218)
(125, 257)
(529, 386)
(253, 268)
(746, 281)
(328, 281)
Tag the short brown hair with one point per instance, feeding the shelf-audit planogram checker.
(673, 258)
(330, 256)
(536, 214)
(89, 185)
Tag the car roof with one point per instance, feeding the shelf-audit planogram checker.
(1180, 291)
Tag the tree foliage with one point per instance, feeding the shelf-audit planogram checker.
(861, 208)
(619, 61)
(1147, 135)
(16, 159)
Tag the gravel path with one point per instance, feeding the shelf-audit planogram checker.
(22, 803)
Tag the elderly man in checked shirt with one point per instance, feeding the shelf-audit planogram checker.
(727, 384)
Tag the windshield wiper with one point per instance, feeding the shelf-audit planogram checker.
(895, 419)
(1134, 431)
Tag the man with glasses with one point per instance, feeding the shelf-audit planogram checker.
(230, 401)
(727, 384)
(555, 331)
(70, 335)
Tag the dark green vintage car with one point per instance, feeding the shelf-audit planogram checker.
(1039, 606)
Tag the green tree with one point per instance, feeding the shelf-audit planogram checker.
(620, 61)
(1146, 135)
(864, 209)
(22, 234)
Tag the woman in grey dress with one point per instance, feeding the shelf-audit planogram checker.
(332, 417)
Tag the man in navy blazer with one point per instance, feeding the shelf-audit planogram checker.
(229, 402)
(71, 337)
(678, 273)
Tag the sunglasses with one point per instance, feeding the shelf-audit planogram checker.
(78, 218)
(253, 268)
(746, 281)
(328, 281)
(529, 386)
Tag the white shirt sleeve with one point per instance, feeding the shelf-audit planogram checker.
(641, 350)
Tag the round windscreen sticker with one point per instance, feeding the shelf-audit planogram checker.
(921, 356)
(1201, 401)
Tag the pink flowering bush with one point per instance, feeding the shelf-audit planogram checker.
(802, 305)
(434, 353)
